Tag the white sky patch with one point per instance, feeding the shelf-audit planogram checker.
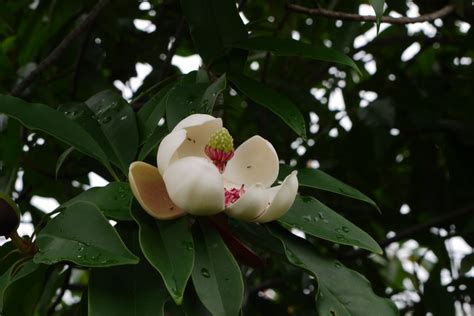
(97, 181)
(243, 17)
(336, 101)
(346, 123)
(188, 63)
(371, 34)
(313, 164)
(405, 209)
(144, 25)
(427, 28)
(410, 51)
(317, 93)
(131, 86)
(295, 35)
(463, 26)
(45, 204)
(144, 6)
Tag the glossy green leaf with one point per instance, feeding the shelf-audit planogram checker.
(152, 142)
(117, 121)
(212, 92)
(272, 100)
(214, 26)
(151, 112)
(169, 247)
(41, 117)
(135, 290)
(82, 115)
(82, 235)
(62, 159)
(24, 290)
(192, 306)
(184, 99)
(315, 218)
(9, 254)
(216, 275)
(341, 291)
(318, 179)
(378, 9)
(113, 200)
(291, 47)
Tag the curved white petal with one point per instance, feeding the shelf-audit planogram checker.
(167, 151)
(195, 185)
(199, 128)
(281, 199)
(255, 161)
(194, 120)
(251, 204)
(150, 191)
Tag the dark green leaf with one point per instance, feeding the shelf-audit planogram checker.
(113, 200)
(214, 26)
(291, 47)
(212, 92)
(341, 291)
(151, 113)
(152, 142)
(43, 118)
(216, 275)
(318, 179)
(117, 121)
(315, 218)
(24, 290)
(378, 8)
(184, 99)
(62, 158)
(128, 290)
(272, 100)
(169, 247)
(82, 115)
(82, 235)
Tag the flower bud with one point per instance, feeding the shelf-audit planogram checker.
(9, 216)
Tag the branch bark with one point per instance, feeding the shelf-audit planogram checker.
(337, 15)
(19, 89)
(412, 230)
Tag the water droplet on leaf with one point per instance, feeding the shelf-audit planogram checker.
(205, 273)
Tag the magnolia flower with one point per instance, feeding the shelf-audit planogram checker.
(200, 173)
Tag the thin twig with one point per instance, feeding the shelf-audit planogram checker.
(337, 15)
(19, 89)
(413, 230)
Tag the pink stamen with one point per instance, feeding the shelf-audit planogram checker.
(232, 195)
(219, 157)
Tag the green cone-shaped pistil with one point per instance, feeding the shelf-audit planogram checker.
(221, 140)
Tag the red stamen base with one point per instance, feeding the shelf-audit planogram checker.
(232, 195)
(218, 157)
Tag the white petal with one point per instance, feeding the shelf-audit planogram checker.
(167, 151)
(281, 199)
(255, 161)
(199, 128)
(195, 185)
(251, 204)
(150, 191)
(194, 120)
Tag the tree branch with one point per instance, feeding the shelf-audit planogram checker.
(19, 89)
(336, 15)
(412, 230)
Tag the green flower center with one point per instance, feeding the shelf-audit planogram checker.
(221, 140)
